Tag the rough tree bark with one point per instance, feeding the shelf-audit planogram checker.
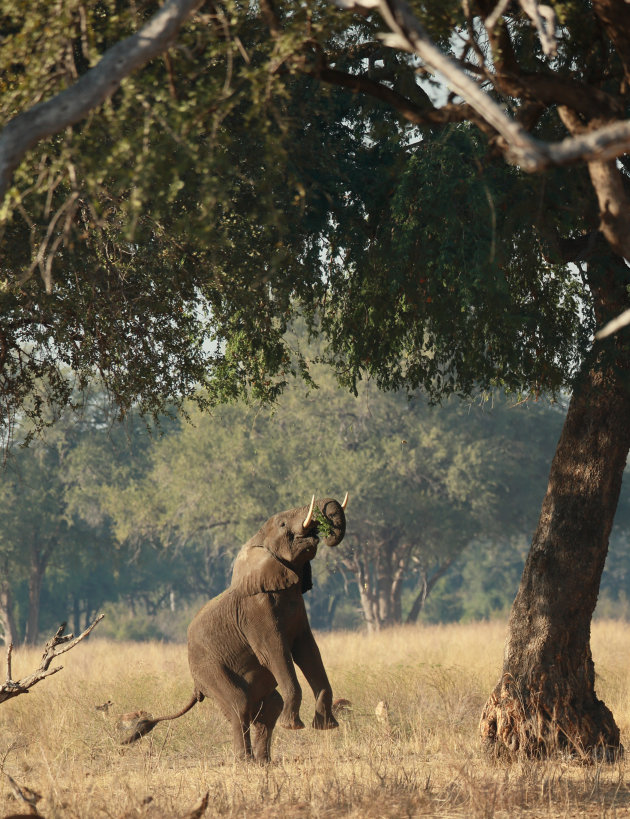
(545, 699)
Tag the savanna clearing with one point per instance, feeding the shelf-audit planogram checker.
(418, 757)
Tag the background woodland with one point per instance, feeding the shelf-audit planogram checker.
(144, 523)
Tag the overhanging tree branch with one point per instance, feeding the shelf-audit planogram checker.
(25, 130)
(412, 113)
(614, 325)
(519, 147)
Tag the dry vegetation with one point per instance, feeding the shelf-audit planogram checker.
(420, 759)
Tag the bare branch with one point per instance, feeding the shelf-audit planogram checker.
(58, 644)
(407, 34)
(410, 111)
(615, 324)
(493, 18)
(25, 130)
(520, 148)
(544, 18)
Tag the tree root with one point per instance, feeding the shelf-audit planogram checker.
(542, 722)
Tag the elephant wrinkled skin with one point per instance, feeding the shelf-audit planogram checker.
(243, 644)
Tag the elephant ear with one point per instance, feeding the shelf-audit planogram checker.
(257, 570)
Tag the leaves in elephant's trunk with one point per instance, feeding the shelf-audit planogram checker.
(324, 526)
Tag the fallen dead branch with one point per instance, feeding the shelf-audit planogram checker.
(58, 644)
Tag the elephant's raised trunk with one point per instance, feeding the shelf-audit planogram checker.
(333, 528)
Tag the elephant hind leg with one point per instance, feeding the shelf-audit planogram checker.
(237, 712)
(262, 725)
(241, 739)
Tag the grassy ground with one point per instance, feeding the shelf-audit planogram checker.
(424, 760)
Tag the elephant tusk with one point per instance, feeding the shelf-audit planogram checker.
(344, 503)
(309, 517)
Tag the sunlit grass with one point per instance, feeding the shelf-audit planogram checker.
(422, 760)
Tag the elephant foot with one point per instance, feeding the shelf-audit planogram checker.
(292, 723)
(323, 723)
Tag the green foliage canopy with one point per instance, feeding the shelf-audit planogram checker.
(168, 241)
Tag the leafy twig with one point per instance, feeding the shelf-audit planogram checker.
(324, 526)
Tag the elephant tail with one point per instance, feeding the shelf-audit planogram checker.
(146, 724)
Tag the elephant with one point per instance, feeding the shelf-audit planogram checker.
(243, 644)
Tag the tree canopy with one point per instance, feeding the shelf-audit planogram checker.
(166, 240)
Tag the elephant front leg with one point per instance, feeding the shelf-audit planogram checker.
(292, 696)
(323, 718)
(284, 671)
(306, 655)
(267, 638)
(290, 718)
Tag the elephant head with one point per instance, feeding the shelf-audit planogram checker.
(279, 554)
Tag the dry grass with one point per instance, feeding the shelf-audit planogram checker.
(424, 762)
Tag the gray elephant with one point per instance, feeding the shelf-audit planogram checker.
(243, 644)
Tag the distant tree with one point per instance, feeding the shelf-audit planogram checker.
(104, 491)
(430, 483)
(57, 549)
(482, 583)
(35, 528)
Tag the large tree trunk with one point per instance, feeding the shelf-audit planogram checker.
(545, 699)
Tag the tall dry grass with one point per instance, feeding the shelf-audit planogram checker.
(423, 760)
